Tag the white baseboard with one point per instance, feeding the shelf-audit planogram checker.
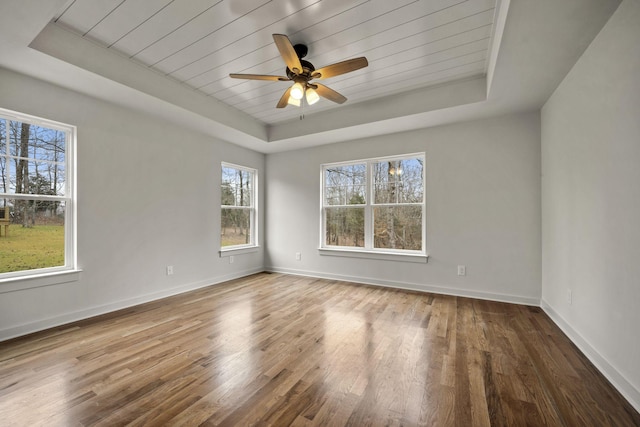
(444, 290)
(39, 325)
(628, 390)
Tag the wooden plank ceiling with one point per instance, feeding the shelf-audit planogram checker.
(409, 44)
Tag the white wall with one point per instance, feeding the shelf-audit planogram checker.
(148, 197)
(591, 201)
(483, 209)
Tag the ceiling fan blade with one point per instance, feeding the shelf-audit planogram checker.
(259, 77)
(288, 53)
(284, 100)
(330, 94)
(340, 68)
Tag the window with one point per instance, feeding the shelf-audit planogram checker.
(375, 205)
(238, 207)
(36, 196)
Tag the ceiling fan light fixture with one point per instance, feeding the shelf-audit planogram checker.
(311, 96)
(297, 91)
(293, 101)
(301, 72)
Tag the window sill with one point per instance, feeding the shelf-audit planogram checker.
(385, 256)
(19, 283)
(238, 251)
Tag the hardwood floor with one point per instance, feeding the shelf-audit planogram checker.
(273, 349)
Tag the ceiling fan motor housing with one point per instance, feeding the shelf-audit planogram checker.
(307, 69)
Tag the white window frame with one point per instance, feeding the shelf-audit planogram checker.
(253, 245)
(25, 279)
(368, 250)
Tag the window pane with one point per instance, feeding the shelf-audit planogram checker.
(398, 227)
(345, 226)
(37, 142)
(345, 185)
(35, 235)
(236, 187)
(32, 177)
(398, 181)
(235, 227)
(40, 166)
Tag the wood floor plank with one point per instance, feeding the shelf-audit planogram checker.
(277, 350)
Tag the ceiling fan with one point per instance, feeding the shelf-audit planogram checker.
(301, 72)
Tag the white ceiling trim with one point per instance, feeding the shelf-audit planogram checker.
(62, 44)
(57, 41)
(540, 42)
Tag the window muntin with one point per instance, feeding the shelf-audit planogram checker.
(238, 207)
(375, 205)
(36, 195)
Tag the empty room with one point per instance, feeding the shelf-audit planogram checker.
(319, 212)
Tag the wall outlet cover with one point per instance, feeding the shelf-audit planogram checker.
(462, 270)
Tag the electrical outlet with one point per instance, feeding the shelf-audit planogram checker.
(569, 296)
(231, 259)
(169, 270)
(462, 270)
(298, 256)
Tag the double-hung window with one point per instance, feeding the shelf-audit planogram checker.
(375, 205)
(36, 196)
(238, 224)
